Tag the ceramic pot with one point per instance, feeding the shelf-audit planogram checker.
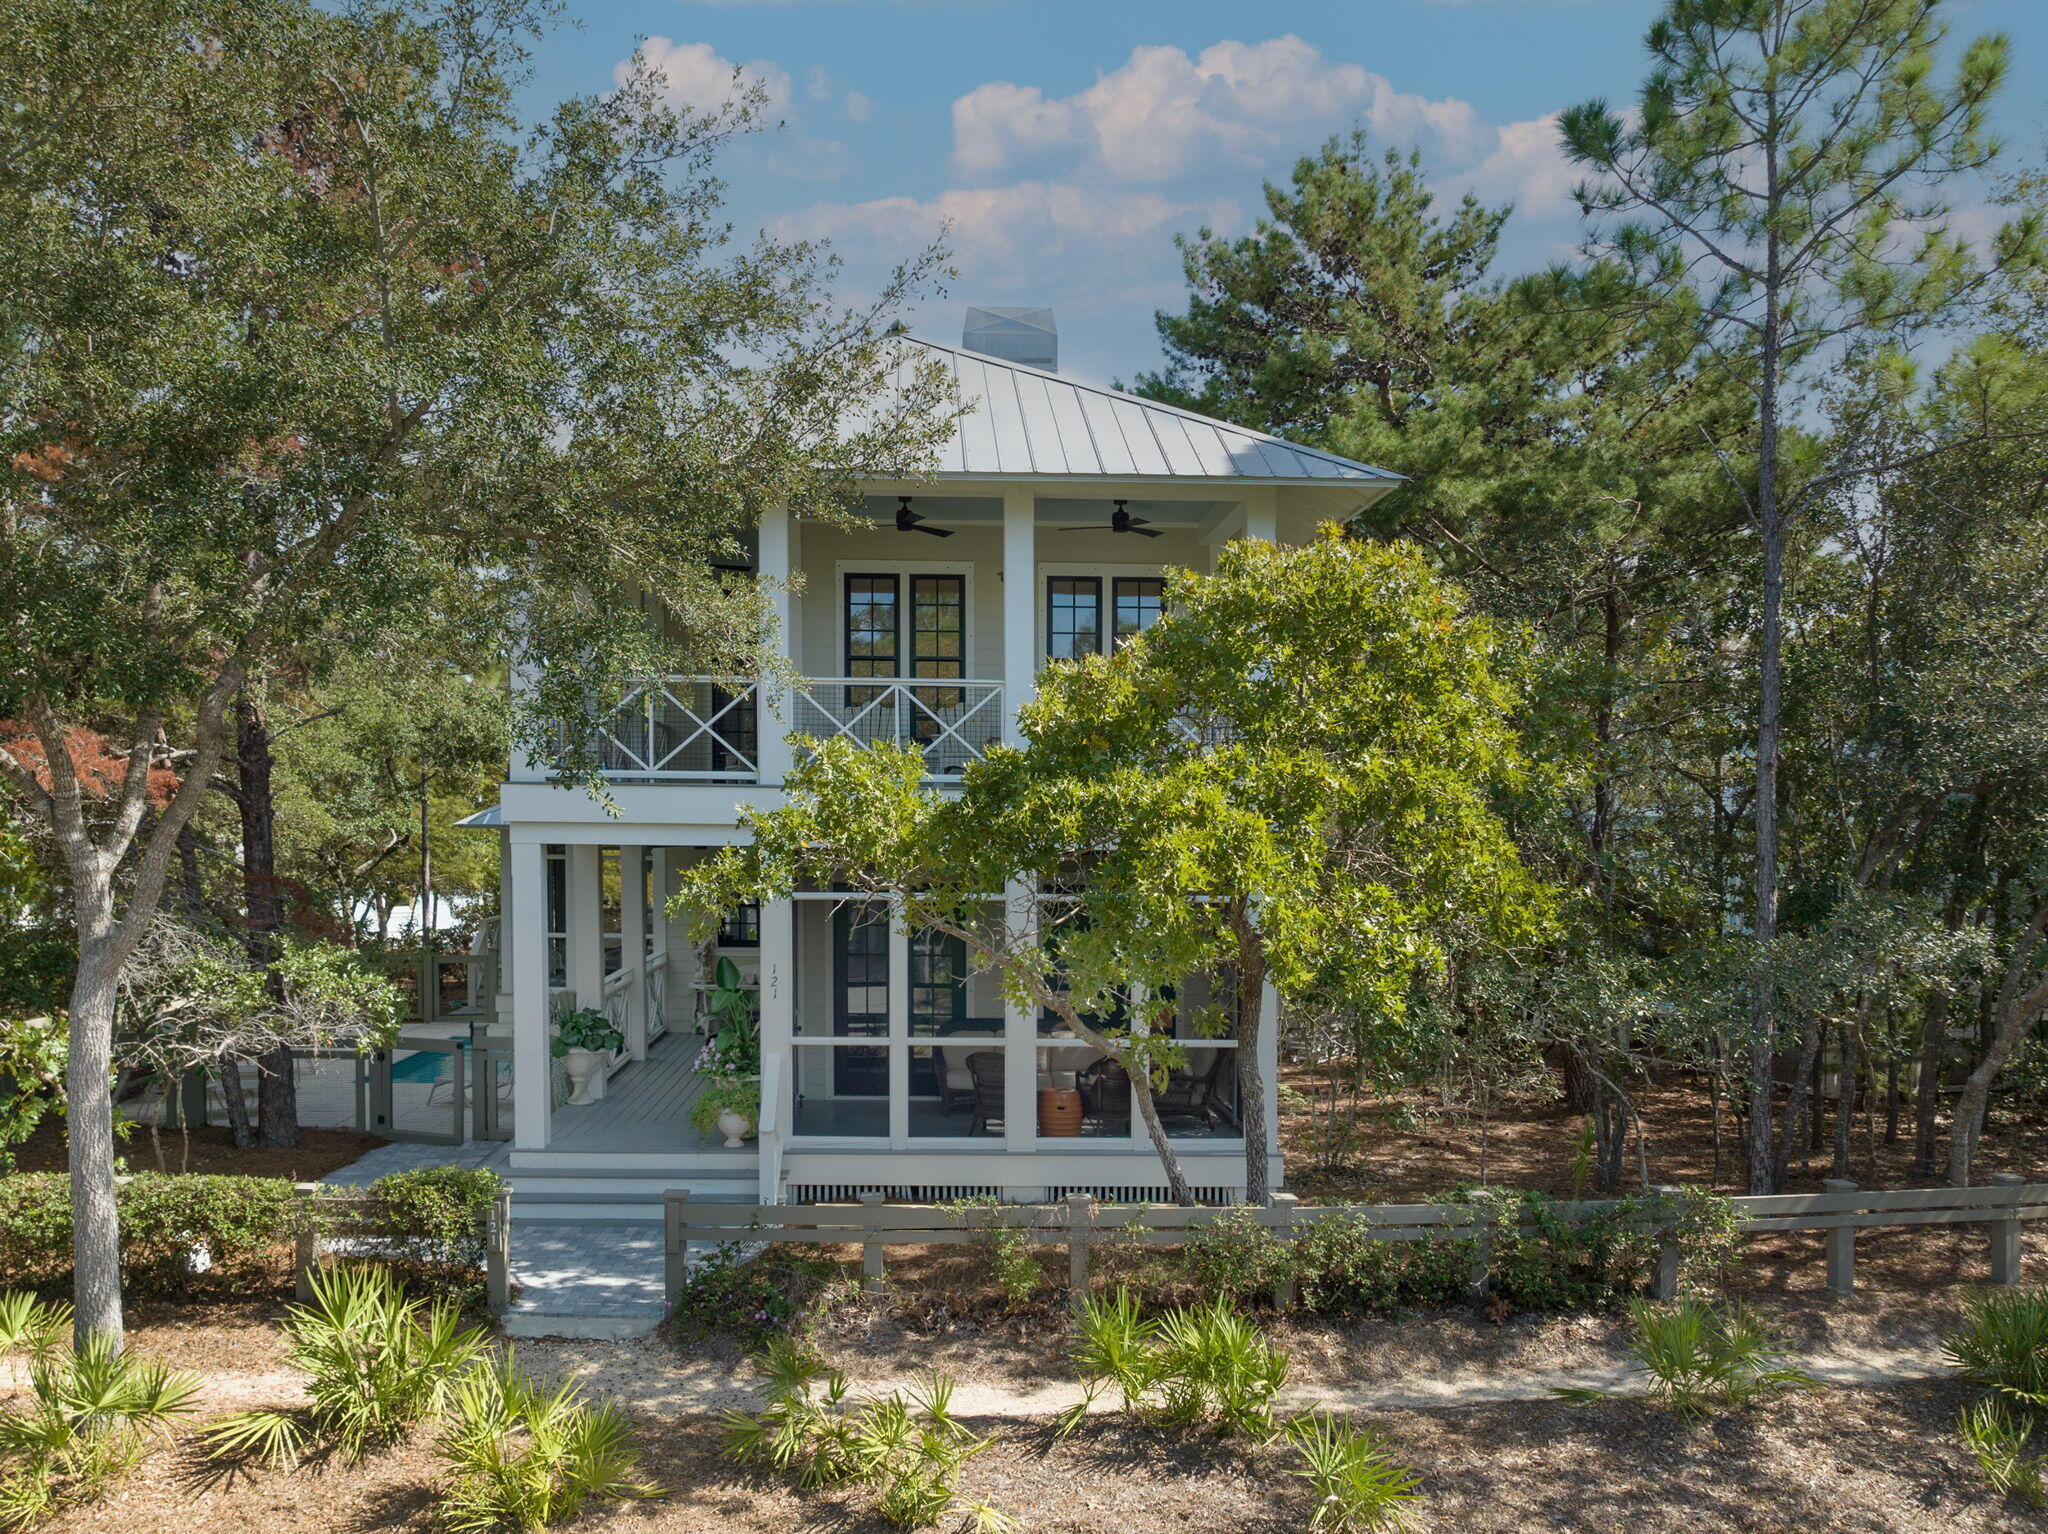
(582, 1066)
(736, 1127)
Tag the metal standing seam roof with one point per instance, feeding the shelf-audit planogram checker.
(1015, 419)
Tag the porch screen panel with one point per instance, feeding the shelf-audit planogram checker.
(1136, 602)
(1073, 616)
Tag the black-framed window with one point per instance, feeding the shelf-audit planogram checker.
(938, 980)
(873, 639)
(1073, 616)
(1136, 601)
(741, 927)
(860, 965)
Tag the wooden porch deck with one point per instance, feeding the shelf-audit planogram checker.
(646, 1107)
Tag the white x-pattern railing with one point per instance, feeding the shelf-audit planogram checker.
(683, 727)
(952, 722)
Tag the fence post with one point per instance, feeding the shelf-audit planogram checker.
(1283, 1286)
(675, 1252)
(305, 1258)
(1664, 1285)
(1080, 1222)
(2008, 1251)
(871, 1258)
(1841, 1244)
(498, 1253)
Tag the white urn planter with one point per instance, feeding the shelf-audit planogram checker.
(582, 1067)
(738, 1128)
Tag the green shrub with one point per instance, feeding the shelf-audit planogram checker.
(89, 1416)
(1006, 1251)
(1191, 1366)
(1341, 1269)
(1358, 1488)
(1234, 1257)
(1538, 1258)
(741, 1297)
(1697, 1356)
(908, 1449)
(190, 1236)
(377, 1364)
(2002, 1347)
(521, 1457)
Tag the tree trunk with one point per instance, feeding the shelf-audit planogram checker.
(89, 1127)
(1927, 1095)
(2013, 1017)
(1845, 1099)
(277, 1106)
(1251, 1079)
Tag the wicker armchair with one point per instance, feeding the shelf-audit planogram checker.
(986, 1067)
(1106, 1097)
(1192, 1094)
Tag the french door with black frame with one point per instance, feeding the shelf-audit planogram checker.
(860, 1000)
(908, 625)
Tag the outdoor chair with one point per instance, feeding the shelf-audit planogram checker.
(1106, 1097)
(986, 1067)
(1192, 1094)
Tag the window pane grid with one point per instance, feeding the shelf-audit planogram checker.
(1073, 613)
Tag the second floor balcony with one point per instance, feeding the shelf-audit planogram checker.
(697, 729)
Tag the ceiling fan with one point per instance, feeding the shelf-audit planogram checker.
(1121, 521)
(908, 521)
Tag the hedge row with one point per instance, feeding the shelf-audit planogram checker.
(198, 1236)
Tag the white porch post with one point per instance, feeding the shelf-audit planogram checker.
(525, 945)
(1020, 1036)
(657, 956)
(1269, 1069)
(586, 926)
(775, 561)
(899, 1027)
(778, 1022)
(633, 947)
(1020, 605)
(1261, 515)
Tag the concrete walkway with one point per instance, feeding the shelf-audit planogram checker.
(690, 1386)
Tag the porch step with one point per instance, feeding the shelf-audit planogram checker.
(632, 1196)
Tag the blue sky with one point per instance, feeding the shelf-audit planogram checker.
(1069, 140)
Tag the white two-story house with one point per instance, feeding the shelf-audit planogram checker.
(887, 1063)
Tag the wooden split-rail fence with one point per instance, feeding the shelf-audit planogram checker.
(1080, 1223)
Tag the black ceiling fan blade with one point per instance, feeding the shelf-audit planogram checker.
(1144, 532)
(936, 532)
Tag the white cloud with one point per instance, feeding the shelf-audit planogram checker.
(857, 107)
(1527, 167)
(1028, 234)
(1163, 115)
(697, 77)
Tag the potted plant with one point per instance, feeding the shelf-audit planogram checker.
(733, 1107)
(732, 1019)
(582, 1040)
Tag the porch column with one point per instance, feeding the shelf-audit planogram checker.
(633, 947)
(525, 944)
(775, 565)
(899, 1026)
(586, 926)
(1020, 605)
(1269, 1069)
(1020, 1036)
(1261, 515)
(778, 1021)
(657, 956)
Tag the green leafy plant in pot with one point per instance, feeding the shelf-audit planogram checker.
(583, 1038)
(732, 1015)
(731, 1106)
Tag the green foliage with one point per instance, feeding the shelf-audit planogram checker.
(741, 1097)
(1697, 1357)
(907, 1449)
(32, 1055)
(1005, 1249)
(377, 1364)
(1358, 1488)
(89, 1417)
(2002, 1345)
(1202, 1366)
(585, 1028)
(2001, 1435)
(1340, 1269)
(1541, 1258)
(184, 1236)
(521, 1457)
(728, 1292)
(1235, 1257)
(2002, 1348)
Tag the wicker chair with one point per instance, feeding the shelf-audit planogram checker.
(1106, 1097)
(986, 1067)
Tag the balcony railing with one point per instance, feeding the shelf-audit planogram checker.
(953, 723)
(697, 729)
